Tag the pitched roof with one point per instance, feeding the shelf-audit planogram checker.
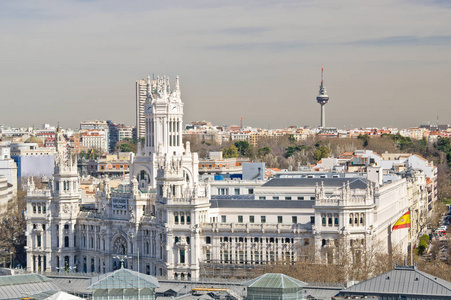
(354, 183)
(123, 279)
(275, 281)
(404, 280)
(54, 295)
(216, 203)
(18, 286)
(23, 279)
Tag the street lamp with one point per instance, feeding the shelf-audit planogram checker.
(122, 258)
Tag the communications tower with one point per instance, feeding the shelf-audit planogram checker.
(322, 99)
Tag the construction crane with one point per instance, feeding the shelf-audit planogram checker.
(241, 122)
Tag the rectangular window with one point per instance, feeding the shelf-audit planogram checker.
(263, 219)
(223, 219)
(261, 198)
(279, 219)
(251, 219)
(240, 219)
(275, 198)
(312, 220)
(223, 191)
(182, 256)
(251, 191)
(176, 219)
(294, 219)
(237, 191)
(287, 198)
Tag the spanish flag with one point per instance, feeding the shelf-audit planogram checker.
(403, 222)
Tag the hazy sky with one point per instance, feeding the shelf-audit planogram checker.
(387, 63)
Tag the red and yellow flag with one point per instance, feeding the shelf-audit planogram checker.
(403, 222)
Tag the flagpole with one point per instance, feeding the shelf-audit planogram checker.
(411, 246)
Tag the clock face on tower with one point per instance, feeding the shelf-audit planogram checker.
(173, 107)
(149, 108)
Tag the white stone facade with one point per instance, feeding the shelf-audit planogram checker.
(168, 217)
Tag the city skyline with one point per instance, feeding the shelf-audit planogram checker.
(386, 63)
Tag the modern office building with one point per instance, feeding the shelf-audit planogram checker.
(141, 96)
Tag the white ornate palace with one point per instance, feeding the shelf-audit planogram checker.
(167, 216)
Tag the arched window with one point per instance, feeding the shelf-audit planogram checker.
(350, 219)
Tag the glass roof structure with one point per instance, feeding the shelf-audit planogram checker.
(273, 286)
(23, 279)
(123, 279)
(275, 281)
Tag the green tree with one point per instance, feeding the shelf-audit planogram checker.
(292, 149)
(263, 151)
(242, 147)
(230, 152)
(128, 145)
(365, 138)
(443, 144)
(321, 152)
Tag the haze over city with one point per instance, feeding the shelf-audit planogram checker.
(386, 63)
